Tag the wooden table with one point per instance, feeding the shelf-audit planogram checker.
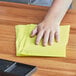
(12, 14)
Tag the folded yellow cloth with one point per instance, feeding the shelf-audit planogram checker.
(25, 46)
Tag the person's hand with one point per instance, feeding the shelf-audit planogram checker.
(48, 30)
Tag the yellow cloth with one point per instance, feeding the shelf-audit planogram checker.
(25, 46)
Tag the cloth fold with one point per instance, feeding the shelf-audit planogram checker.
(25, 46)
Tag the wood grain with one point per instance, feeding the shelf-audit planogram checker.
(12, 14)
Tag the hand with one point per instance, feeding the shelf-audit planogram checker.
(48, 31)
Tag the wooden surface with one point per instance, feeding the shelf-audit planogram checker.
(12, 14)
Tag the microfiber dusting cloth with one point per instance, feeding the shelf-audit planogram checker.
(25, 46)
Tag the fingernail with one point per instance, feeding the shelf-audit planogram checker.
(51, 43)
(58, 40)
(31, 36)
(44, 44)
(37, 43)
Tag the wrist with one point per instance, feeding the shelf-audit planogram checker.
(51, 20)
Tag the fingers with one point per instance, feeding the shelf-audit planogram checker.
(57, 35)
(46, 38)
(51, 38)
(34, 32)
(39, 36)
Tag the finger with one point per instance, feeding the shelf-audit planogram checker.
(57, 35)
(46, 38)
(34, 32)
(39, 36)
(51, 38)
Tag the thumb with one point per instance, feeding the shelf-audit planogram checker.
(34, 32)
